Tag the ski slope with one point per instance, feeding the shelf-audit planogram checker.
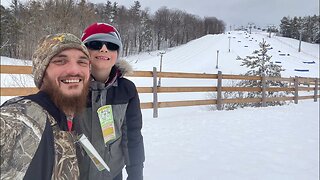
(200, 55)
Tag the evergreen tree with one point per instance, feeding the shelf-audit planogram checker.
(295, 27)
(86, 16)
(10, 29)
(259, 64)
(315, 36)
(108, 13)
(145, 32)
(135, 23)
(285, 27)
(104, 12)
(308, 26)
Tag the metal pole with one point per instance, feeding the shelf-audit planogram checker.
(300, 37)
(269, 33)
(161, 54)
(217, 65)
(229, 43)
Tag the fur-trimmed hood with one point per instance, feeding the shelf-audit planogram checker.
(124, 67)
(120, 69)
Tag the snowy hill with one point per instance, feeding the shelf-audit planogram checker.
(200, 55)
(193, 143)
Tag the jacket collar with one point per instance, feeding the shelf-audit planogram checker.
(120, 69)
(44, 100)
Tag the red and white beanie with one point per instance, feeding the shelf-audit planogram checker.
(101, 32)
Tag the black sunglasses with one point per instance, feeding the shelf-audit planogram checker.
(97, 45)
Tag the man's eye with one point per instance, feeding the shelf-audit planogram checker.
(58, 62)
(84, 62)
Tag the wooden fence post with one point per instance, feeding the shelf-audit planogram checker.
(316, 86)
(296, 91)
(219, 93)
(263, 84)
(155, 93)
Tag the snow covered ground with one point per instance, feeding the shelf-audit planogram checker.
(193, 143)
(272, 143)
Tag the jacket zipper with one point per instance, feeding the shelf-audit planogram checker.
(109, 148)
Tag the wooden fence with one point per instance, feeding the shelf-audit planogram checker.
(297, 84)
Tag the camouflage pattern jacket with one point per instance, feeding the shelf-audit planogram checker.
(34, 144)
(127, 148)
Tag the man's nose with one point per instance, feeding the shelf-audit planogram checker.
(73, 68)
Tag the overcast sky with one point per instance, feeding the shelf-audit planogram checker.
(232, 12)
(237, 12)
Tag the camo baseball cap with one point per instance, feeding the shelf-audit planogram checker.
(48, 47)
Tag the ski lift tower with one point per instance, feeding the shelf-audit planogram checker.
(250, 26)
(161, 53)
(300, 38)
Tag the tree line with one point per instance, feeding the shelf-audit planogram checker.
(23, 24)
(308, 26)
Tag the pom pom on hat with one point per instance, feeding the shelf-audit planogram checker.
(102, 32)
(48, 47)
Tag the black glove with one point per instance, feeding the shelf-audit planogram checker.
(135, 172)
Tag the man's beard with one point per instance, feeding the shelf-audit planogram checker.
(68, 104)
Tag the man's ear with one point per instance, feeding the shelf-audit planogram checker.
(44, 81)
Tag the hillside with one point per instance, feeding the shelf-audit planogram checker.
(200, 55)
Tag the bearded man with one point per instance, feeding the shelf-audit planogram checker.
(37, 137)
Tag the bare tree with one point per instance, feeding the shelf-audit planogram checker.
(22, 25)
(161, 23)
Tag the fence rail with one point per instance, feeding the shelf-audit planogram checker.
(309, 84)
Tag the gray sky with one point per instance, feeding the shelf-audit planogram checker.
(232, 12)
(236, 12)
